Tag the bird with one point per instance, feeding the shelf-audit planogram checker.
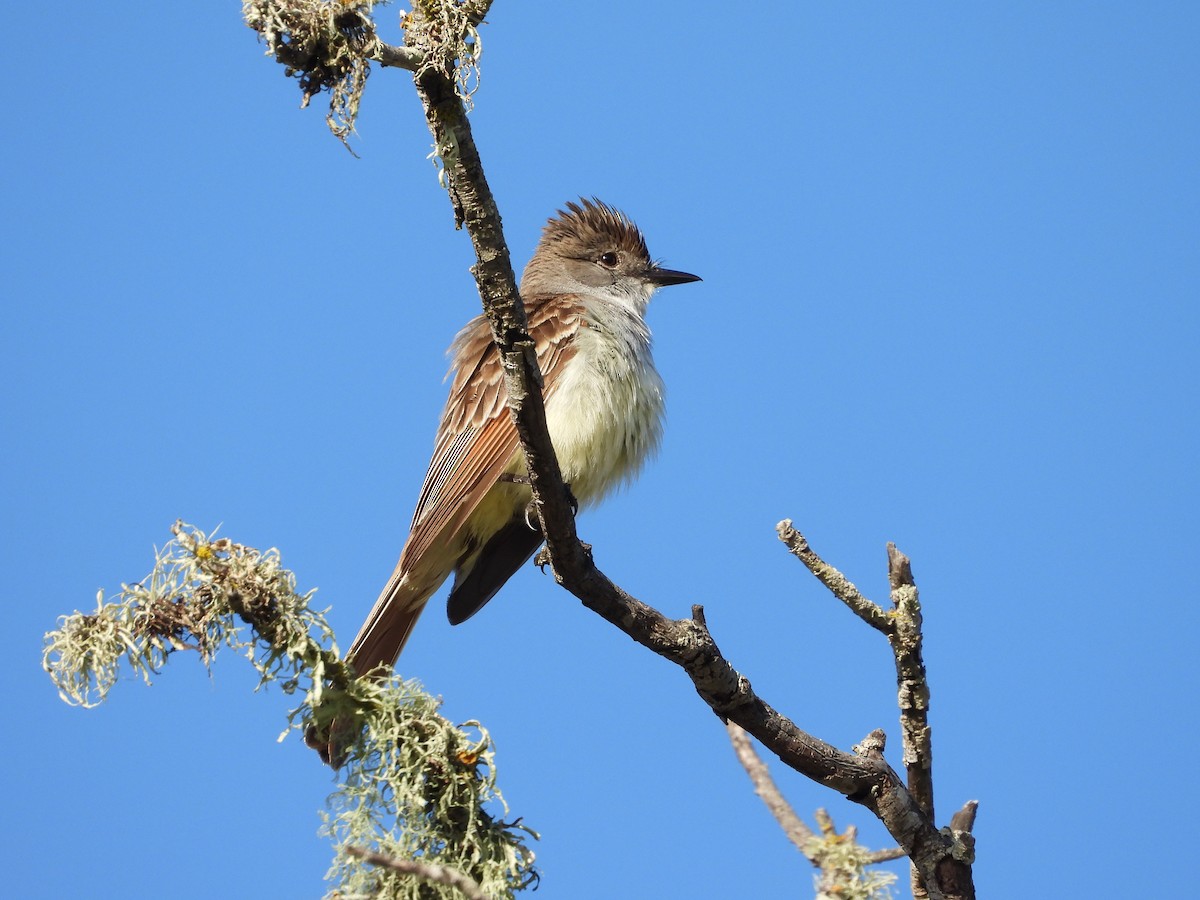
(585, 292)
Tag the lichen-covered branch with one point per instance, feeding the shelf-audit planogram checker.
(902, 626)
(414, 784)
(906, 639)
(837, 583)
(326, 45)
(329, 45)
(423, 869)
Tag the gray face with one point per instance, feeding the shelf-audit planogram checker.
(605, 264)
(592, 246)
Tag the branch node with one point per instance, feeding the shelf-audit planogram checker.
(794, 539)
(899, 568)
(964, 819)
(961, 845)
(872, 746)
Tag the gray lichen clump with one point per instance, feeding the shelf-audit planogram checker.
(325, 45)
(329, 45)
(414, 785)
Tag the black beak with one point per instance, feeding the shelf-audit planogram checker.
(663, 277)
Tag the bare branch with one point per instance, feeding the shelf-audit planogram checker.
(906, 639)
(813, 847)
(685, 642)
(882, 856)
(964, 819)
(468, 887)
(764, 786)
(902, 627)
(837, 583)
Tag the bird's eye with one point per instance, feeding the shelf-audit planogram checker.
(609, 259)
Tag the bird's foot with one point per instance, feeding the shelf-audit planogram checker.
(543, 556)
(531, 517)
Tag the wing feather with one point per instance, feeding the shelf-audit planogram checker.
(477, 439)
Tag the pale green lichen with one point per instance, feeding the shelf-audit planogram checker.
(847, 871)
(414, 785)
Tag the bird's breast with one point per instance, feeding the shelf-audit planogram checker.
(606, 408)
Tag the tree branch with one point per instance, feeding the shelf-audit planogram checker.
(964, 819)
(837, 583)
(906, 639)
(397, 57)
(903, 628)
(829, 853)
(864, 778)
(881, 856)
(467, 886)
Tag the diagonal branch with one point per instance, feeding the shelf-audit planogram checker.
(837, 583)
(902, 627)
(863, 777)
(397, 57)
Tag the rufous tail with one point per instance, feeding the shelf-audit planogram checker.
(386, 630)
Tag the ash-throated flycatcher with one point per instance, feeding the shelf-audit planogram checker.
(585, 292)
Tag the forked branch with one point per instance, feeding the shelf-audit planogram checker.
(863, 777)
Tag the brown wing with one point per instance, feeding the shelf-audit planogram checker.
(499, 559)
(477, 439)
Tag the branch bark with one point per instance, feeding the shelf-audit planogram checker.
(864, 776)
(397, 57)
(902, 626)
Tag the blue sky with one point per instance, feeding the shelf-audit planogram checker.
(950, 300)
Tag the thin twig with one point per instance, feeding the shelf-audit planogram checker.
(793, 826)
(764, 786)
(428, 871)
(837, 583)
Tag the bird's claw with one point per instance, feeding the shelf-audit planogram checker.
(531, 517)
(543, 556)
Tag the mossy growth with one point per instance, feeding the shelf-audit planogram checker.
(413, 785)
